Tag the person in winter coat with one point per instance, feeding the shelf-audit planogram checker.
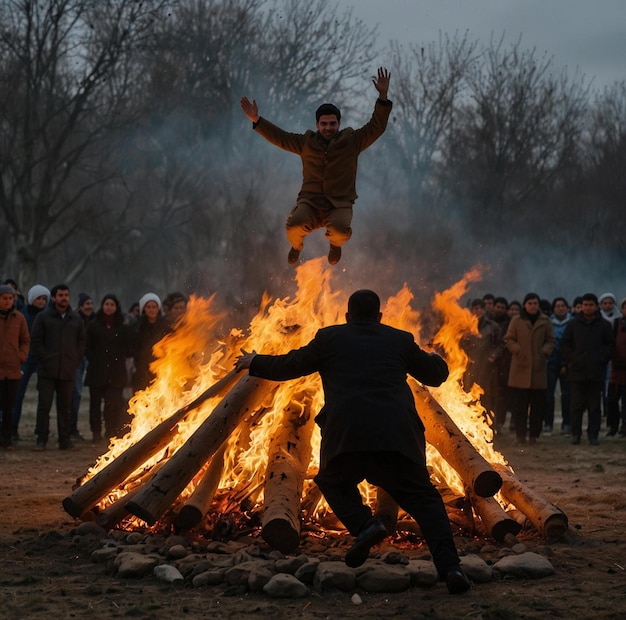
(329, 167)
(557, 369)
(148, 330)
(38, 297)
(616, 394)
(58, 341)
(370, 427)
(14, 347)
(483, 349)
(108, 346)
(587, 345)
(530, 339)
(85, 309)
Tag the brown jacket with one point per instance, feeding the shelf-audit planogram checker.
(530, 346)
(14, 345)
(329, 168)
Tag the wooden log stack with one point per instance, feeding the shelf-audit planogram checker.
(201, 459)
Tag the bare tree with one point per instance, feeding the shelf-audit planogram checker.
(519, 129)
(65, 73)
(428, 85)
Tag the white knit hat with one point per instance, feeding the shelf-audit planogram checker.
(37, 291)
(605, 295)
(146, 298)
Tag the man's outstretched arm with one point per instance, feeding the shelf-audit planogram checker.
(250, 109)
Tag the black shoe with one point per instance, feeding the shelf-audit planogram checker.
(293, 256)
(575, 440)
(593, 441)
(40, 446)
(334, 254)
(456, 581)
(76, 436)
(371, 535)
(66, 445)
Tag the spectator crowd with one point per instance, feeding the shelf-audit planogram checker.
(522, 351)
(518, 355)
(102, 347)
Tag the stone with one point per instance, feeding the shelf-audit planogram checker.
(291, 565)
(423, 573)
(213, 577)
(284, 585)
(167, 573)
(476, 568)
(177, 552)
(334, 575)
(306, 573)
(395, 557)
(525, 566)
(240, 573)
(89, 528)
(101, 556)
(382, 577)
(129, 564)
(258, 577)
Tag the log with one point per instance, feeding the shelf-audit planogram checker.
(115, 473)
(116, 511)
(442, 433)
(288, 459)
(498, 524)
(547, 518)
(170, 481)
(199, 503)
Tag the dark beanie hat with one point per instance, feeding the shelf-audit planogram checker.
(82, 298)
(327, 108)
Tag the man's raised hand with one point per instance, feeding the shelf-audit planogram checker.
(381, 82)
(250, 108)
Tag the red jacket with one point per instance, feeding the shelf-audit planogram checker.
(14, 344)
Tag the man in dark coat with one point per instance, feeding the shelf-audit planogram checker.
(58, 341)
(329, 167)
(587, 345)
(370, 427)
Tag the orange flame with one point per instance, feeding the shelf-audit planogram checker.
(196, 355)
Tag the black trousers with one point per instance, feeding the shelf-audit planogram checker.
(616, 395)
(47, 389)
(406, 481)
(112, 412)
(528, 410)
(587, 395)
(8, 396)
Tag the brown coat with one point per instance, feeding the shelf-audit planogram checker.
(530, 346)
(329, 168)
(14, 345)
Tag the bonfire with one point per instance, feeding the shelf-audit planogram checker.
(216, 451)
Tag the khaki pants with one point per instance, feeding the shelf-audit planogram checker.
(312, 213)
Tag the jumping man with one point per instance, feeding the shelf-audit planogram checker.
(329, 165)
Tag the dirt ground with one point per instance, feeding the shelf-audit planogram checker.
(43, 574)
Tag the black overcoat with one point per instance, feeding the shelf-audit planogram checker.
(368, 403)
(107, 350)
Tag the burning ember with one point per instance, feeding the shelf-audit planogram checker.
(208, 446)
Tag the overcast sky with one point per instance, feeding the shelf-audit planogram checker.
(588, 34)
